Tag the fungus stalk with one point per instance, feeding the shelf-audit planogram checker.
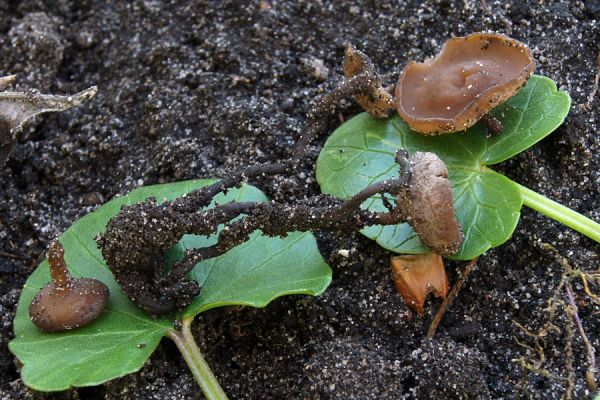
(58, 267)
(66, 302)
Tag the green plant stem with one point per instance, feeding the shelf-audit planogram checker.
(560, 213)
(184, 340)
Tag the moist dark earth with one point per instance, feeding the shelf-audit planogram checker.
(192, 89)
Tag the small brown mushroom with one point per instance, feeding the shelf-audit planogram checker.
(470, 76)
(428, 205)
(66, 302)
(378, 101)
(417, 275)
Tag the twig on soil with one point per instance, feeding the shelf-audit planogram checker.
(450, 298)
(588, 105)
(277, 220)
(137, 239)
(10, 255)
(590, 374)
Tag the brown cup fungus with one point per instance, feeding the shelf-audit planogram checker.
(428, 204)
(66, 302)
(470, 76)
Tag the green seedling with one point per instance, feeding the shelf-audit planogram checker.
(487, 203)
(241, 266)
(124, 336)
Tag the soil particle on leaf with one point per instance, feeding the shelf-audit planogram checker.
(195, 88)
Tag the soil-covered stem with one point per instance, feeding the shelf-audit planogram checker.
(203, 375)
(560, 213)
(276, 220)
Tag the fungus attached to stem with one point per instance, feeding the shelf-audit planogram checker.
(469, 77)
(428, 205)
(66, 302)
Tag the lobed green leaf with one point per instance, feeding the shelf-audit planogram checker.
(124, 336)
(361, 152)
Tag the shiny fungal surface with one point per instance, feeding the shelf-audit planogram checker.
(66, 302)
(470, 76)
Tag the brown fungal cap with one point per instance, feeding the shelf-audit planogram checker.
(66, 302)
(429, 206)
(470, 76)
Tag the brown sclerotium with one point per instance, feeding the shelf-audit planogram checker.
(428, 205)
(469, 77)
(66, 302)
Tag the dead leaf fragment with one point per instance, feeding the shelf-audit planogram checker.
(417, 275)
(6, 81)
(16, 108)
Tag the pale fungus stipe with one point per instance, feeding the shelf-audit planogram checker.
(428, 205)
(469, 77)
(66, 302)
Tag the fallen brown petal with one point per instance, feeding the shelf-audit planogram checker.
(418, 275)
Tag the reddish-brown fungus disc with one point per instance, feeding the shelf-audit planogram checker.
(429, 206)
(470, 76)
(66, 302)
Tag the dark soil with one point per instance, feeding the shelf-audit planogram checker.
(193, 89)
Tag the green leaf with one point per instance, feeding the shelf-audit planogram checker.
(487, 204)
(533, 113)
(258, 271)
(123, 338)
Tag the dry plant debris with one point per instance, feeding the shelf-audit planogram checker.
(562, 299)
(16, 108)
